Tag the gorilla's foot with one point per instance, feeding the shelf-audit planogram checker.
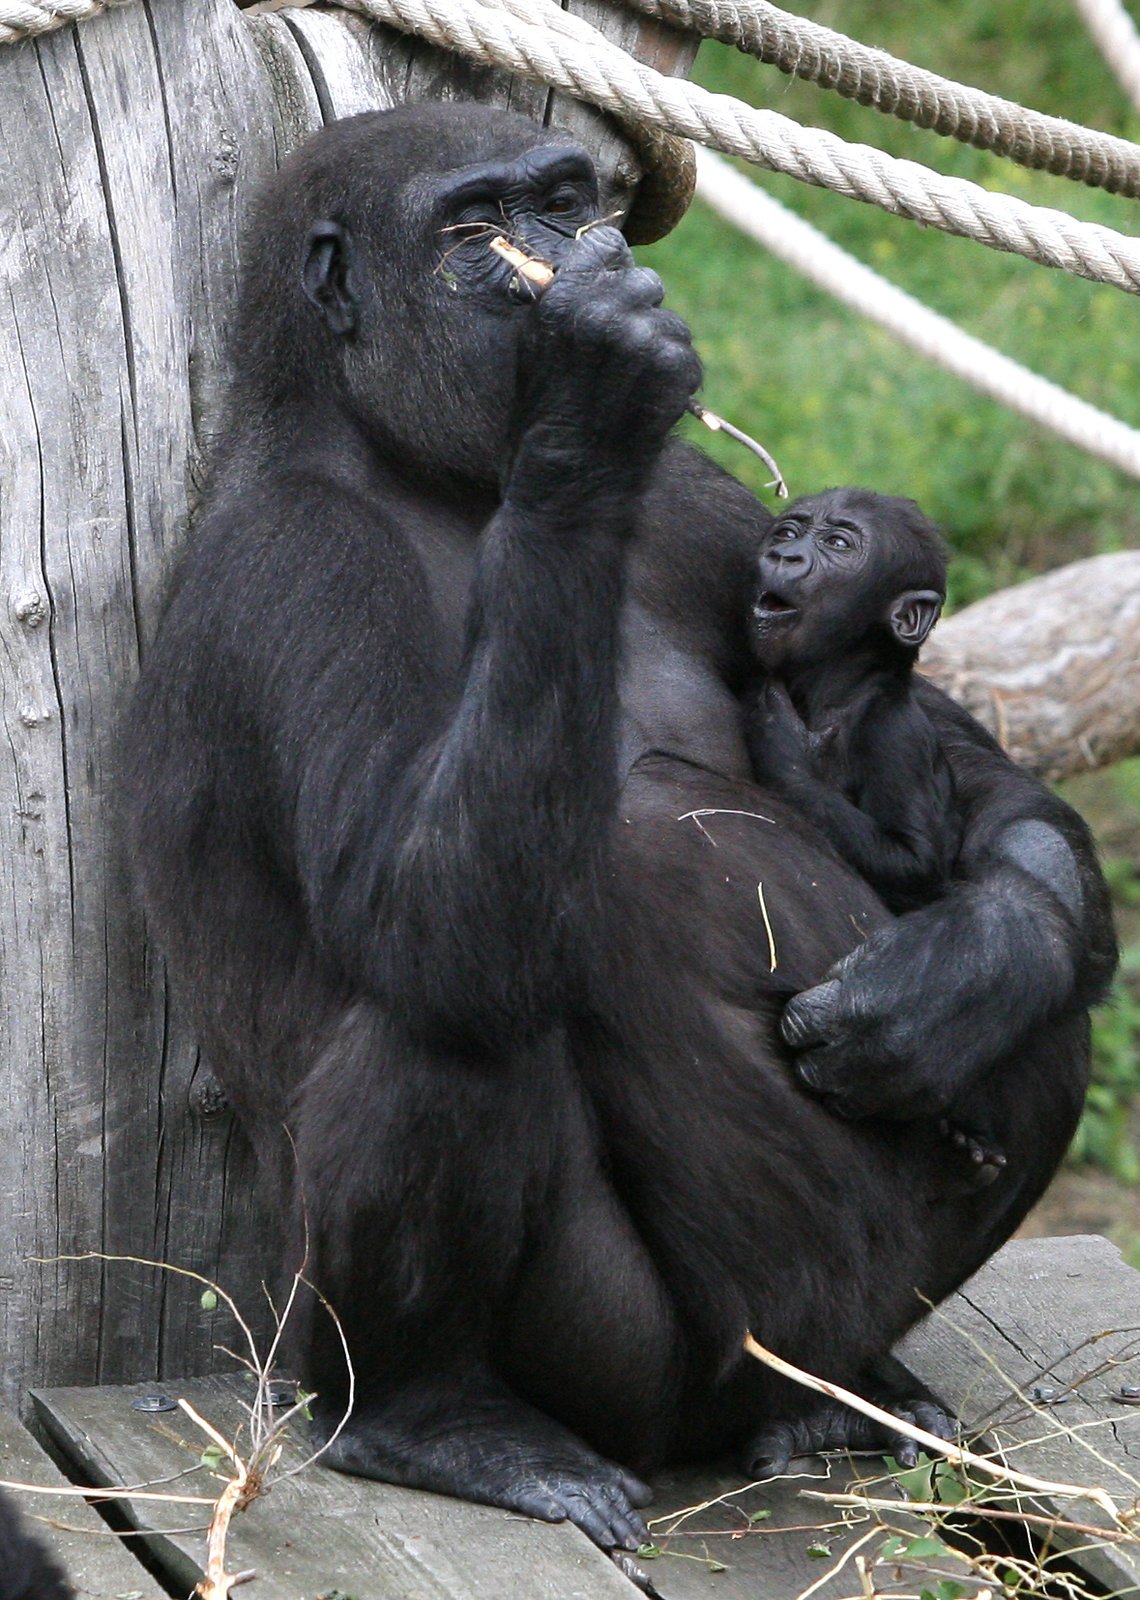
(519, 1460)
(831, 1426)
(978, 1162)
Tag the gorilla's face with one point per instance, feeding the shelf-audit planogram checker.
(422, 314)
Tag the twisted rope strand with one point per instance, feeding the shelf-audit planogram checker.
(537, 40)
(540, 41)
(24, 19)
(756, 214)
(804, 49)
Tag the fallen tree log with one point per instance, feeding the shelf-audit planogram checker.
(1052, 666)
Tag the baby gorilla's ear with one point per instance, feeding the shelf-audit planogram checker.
(911, 615)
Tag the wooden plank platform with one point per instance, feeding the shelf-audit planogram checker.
(322, 1531)
(77, 1534)
(1027, 1319)
(1050, 1314)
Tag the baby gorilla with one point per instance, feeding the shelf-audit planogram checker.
(849, 585)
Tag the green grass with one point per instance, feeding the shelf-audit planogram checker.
(838, 401)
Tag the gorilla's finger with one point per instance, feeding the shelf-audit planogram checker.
(811, 1018)
(601, 249)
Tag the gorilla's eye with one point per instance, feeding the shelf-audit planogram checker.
(561, 203)
(837, 541)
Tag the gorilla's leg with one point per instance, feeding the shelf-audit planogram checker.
(460, 1227)
(1035, 1100)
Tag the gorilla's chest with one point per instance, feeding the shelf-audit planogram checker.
(673, 703)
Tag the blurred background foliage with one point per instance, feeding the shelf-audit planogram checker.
(839, 401)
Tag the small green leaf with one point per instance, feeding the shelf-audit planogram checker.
(891, 1547)
(209, 1300)
(819, 1550)
(948, 1485)
(212, 1456)
(759, 1516)
(922, 1548)
(917, 1483)
(716, 1566)
(648, 1552)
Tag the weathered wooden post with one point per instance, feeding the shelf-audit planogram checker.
(129, 147)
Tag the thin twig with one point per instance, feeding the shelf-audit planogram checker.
(841, 1563)
(767, 929)
(107, 1493)
(982, 1508)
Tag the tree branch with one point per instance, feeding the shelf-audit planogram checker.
(1052, 666)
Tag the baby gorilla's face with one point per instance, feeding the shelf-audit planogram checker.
(817, 588)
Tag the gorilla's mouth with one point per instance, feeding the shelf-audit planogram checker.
(770, 604)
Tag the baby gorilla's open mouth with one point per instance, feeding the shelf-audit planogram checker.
(770, 604)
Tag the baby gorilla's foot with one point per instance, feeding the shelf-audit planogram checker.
(978, 1160)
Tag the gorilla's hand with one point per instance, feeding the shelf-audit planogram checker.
(901, 1026)
(782, 746)
(603, 374)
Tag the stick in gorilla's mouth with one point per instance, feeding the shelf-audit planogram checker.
(539, 275)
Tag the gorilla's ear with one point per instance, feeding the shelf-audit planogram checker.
(912, 614)
(327, 277)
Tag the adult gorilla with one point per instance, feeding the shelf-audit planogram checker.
(446, 825)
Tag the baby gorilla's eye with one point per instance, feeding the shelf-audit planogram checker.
(837, 541)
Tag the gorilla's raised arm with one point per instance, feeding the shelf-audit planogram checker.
(495, 809)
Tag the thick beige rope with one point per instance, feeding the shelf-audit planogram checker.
(24, 19)
(804, 49)
(747, 207)
(537, 40)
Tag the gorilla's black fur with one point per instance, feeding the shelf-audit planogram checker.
(446, 825)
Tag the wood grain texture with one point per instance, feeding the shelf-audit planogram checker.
(130, 149)
(94, 1557)
(1051, 667)
(752, 1543)
(1063, 1313)
(321, 1530)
